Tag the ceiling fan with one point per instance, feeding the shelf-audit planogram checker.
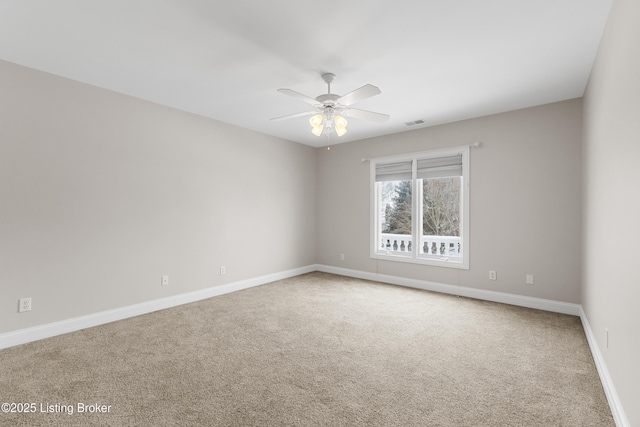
(330, 108)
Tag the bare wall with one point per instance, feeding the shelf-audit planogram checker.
(525, 201)
(102, 194)
(611, 289)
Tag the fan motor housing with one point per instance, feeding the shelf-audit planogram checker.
(328, 99)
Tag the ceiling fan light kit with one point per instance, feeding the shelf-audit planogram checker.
(341, 125)
(330, 108)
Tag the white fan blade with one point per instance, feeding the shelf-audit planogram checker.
(301, 97)
(360, 94)
(293, 116)
(366, 115)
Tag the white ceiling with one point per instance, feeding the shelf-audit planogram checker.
(434, 60)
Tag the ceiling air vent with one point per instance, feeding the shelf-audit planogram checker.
(416, 122)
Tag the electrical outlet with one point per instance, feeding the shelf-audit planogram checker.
(493, 275)
(223, 270)
(25, 305)
(165, 280)
(341, 257)
(529, 279)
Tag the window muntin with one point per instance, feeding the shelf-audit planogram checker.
(421, 197)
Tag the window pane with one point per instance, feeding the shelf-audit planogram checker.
(441, 214)
(394, 216)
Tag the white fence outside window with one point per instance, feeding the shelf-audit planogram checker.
(429, 245)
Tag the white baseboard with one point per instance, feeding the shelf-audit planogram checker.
(513, 299)
(617, 410)
(23, 336)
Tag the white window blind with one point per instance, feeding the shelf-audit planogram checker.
(440, 167)
(398, 171)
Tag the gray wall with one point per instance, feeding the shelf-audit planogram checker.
(611, 289)
(525, 201)
(101, 194)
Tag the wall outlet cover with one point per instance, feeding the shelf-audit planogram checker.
(24, 305)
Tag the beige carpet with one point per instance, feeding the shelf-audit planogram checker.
(315, 350)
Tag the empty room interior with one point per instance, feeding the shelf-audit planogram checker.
(339, 213)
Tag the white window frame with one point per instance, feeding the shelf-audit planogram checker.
(414, 256)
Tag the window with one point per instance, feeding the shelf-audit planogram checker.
(419, 208)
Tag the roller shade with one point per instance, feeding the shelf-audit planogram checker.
(398, 171)
(440, 167)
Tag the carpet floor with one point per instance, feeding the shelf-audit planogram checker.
(313, 350)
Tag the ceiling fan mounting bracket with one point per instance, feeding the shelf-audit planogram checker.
(328, 77)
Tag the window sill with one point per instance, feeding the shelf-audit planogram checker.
(437, 262)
